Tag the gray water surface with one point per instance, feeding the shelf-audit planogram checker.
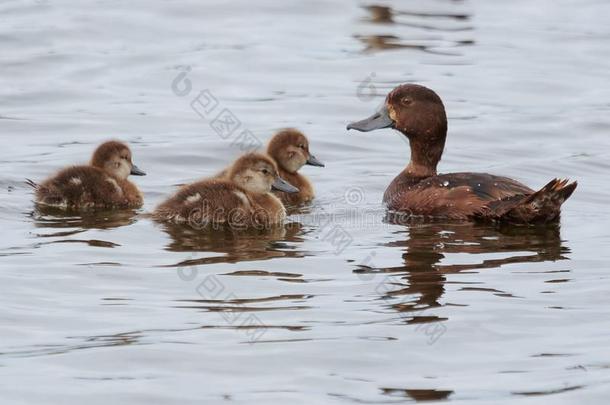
(340, 305)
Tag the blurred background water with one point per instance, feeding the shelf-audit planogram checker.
(114, 308)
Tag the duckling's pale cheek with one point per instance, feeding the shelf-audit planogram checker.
(293, 165)
(261, 185)
(303, 156)
(253, 182)
(297, 160)
(123, 171)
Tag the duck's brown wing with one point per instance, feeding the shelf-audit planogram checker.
(487, 187)
(454, 196)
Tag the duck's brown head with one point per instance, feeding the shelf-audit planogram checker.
(290, 149)
(257, 173)
(419, 114)
(115, 159)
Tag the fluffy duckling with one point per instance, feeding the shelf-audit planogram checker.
(290, 150)
(418, 113)
(101, 184)
(240, 199)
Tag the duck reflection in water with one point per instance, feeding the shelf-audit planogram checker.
(440, 30)
(386, 15)
(79, 221)
(419, 283)
(236, 245)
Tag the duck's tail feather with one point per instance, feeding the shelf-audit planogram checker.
(557, 190)
(539, 207)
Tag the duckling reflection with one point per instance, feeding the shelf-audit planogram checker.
(385, 14)
(385, 42)
(58, 218)
(380, 14)
(435, 46)
(237, 246)
(441, 27)
(422, 275)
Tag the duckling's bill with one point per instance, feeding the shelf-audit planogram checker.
(135, 171)
(282, 185)
(313, 161)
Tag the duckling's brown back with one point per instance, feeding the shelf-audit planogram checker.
(80, 187)
(212, 199)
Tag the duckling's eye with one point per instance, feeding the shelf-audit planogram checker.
(265, 171)
(406, 101)
(302, 146)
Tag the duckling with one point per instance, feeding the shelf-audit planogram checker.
(101, 184)
(290, 150)
(418, 113)
(241, 199)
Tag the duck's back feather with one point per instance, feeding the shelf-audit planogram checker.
(477, 196)
(453, 196)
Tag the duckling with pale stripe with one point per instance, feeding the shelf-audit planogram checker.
(242, 198)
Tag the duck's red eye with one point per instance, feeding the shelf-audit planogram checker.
(302, 146)
(406, 101)
(265, 171)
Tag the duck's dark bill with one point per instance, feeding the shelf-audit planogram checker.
(282, 185)
(137, 172)
(381, 119)
(313, 161)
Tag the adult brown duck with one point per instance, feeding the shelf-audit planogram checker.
(418, 113)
